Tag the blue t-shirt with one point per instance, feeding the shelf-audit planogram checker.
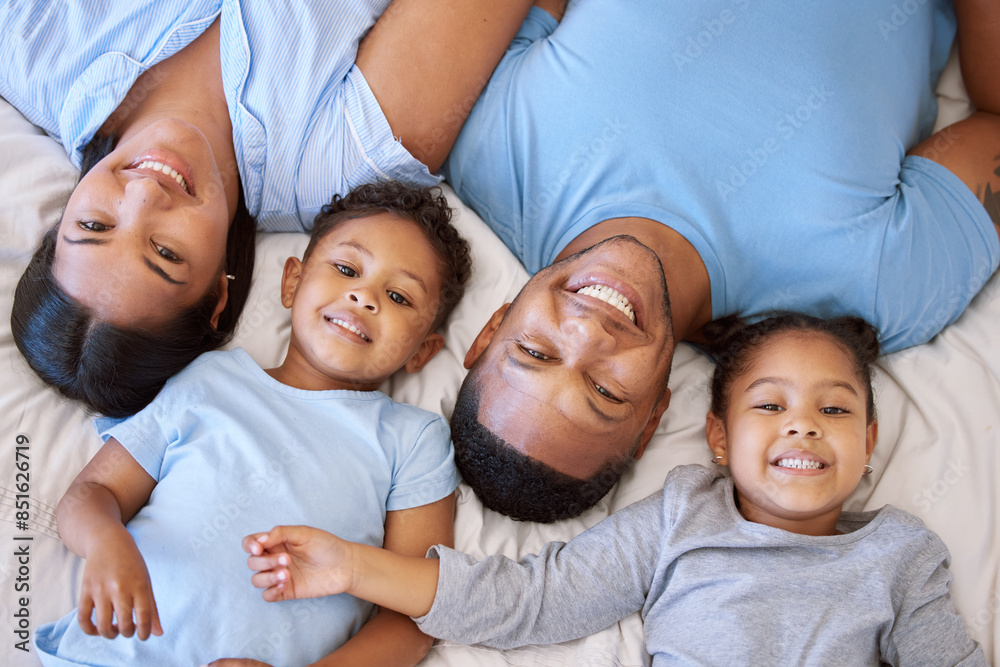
(771, 135)
(236, 452)
(305, 123)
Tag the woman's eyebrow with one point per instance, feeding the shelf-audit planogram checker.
(150, 265)
(84, 241)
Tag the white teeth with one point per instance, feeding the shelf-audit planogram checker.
(799, 463)
(609, 295)
(166, 169)
(350, 327)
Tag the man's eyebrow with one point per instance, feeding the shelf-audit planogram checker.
(783, 382)
(160, 272)
(511, 359)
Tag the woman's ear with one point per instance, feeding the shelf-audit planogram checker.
(223, 289)
(715, 434)
(428, 348)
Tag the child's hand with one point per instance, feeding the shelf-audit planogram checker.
(295, 562)
(115, 581)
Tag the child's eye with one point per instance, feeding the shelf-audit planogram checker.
(534, 353)
(398, 298)
(834, 411)
(346, 270)
(165, 253)
(93, 226)
(770, 407)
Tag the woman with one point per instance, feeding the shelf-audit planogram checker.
(190, 120)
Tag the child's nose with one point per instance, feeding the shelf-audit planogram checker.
(365, 299)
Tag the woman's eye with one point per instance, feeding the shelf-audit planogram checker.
(166, 253)
(534, 353)
(93, 226)
(346, 270)
(606, 394)
(398, 298)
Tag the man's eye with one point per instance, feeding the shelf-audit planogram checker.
(93, 226)
(346, 270)
(398, 298)
(534, 353)
(606, 394)
(166, 253)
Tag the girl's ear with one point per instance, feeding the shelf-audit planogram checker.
(871, 437)
(715, 434)
(431, 346)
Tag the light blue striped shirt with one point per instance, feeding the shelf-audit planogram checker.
(305, 123)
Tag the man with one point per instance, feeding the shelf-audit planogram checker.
(749, 158)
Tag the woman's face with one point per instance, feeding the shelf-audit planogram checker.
(144, 232)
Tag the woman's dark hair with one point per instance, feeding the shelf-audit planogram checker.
(116, 371)
(428, 208)
(734, 343)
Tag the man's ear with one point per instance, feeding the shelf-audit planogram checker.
(715, 433)
(290, 280)
(482, 341)
(654, 421)
(871, 437)
(428, 348)
(223, 289)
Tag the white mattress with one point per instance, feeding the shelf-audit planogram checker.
(937, 454)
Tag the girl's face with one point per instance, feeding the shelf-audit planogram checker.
(795, 436)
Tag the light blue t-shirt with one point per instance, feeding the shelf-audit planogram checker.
(236, 452)
(305, 123)
(771, 135)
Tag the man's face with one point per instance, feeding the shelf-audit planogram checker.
(574, 374)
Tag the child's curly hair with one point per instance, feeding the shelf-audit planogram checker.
(429, 209)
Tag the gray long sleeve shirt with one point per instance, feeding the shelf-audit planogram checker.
(716, 589)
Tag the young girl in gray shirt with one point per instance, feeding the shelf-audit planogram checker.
(761, 566)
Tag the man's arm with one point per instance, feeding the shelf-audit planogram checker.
(970, 148)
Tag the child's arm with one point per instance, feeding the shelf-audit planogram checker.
(319, 564)
(91, 517)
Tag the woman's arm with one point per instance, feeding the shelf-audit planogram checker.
(91, 517)
(427, 61)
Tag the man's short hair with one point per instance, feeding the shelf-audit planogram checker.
(511, 483)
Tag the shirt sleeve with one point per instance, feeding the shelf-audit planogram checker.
(927, 623)
(567, 591)
(428, 472)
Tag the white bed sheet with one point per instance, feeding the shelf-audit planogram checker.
(937, 454)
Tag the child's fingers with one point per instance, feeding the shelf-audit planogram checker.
(83, 614)
(269, 578)
(147, 619)
(123, 616)
(268, 562)
(252, 543)
(104, 619)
